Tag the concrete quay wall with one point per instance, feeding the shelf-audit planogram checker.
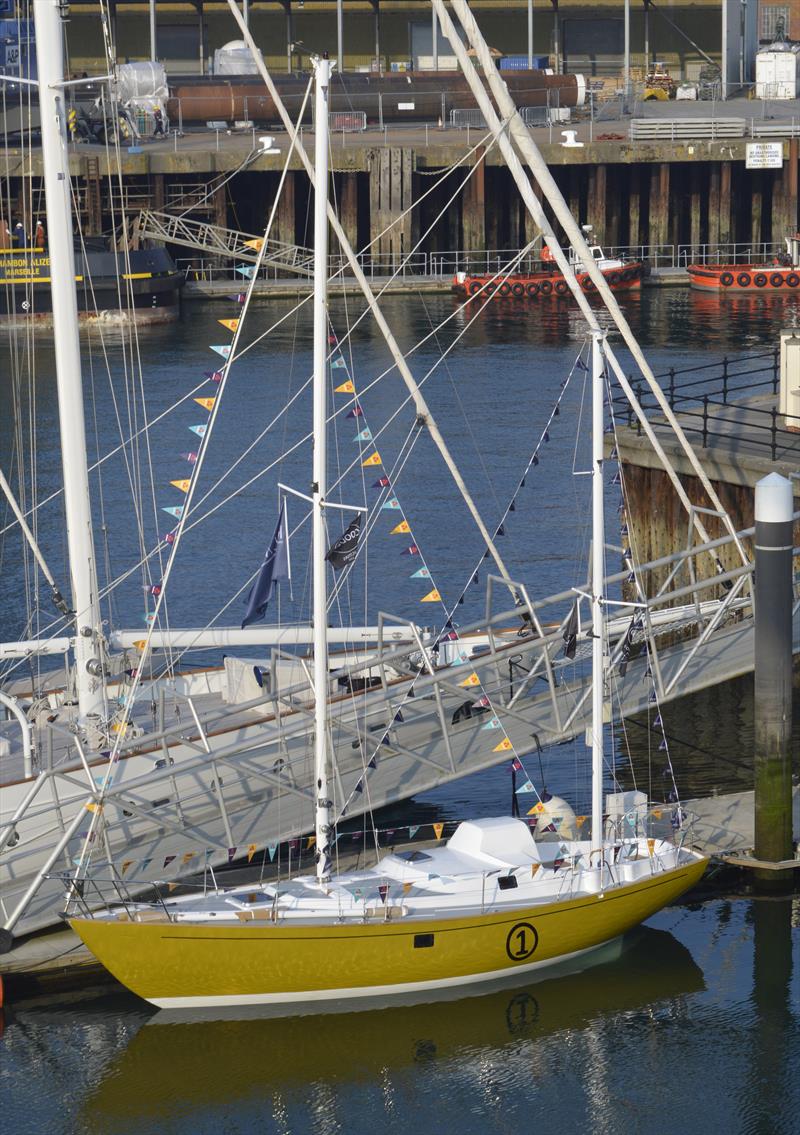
(633, 193)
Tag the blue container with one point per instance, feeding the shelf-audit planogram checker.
(520, 62)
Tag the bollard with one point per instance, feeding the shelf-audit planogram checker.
(773, 597)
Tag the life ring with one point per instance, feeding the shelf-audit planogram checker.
(614, 278)
(532, 289)
(474, 287)
(545, 287)
(776, 279)
(505, 288)
(743, 279)
(561, 288)
(759, 279)
(726, 279)
(518, 289)
(792, 280)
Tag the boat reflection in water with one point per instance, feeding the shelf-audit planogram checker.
(179, 1063)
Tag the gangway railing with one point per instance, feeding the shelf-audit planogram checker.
(228, 243)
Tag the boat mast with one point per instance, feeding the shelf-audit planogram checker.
(323, 805)
(48, 20)
(598, 574)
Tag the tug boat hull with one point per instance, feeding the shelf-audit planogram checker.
(743, 277)
(544, 285)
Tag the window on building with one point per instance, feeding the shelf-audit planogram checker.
(774, 21)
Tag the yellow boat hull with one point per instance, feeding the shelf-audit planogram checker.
(188, 965)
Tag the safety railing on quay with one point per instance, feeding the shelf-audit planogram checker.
(710, 399)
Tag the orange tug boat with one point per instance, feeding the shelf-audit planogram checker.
(782, 273)
(620, 274)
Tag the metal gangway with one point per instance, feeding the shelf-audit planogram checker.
(215, 240)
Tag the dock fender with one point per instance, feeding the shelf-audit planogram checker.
(792, 280)
(561, 287)
(615, 278)
(518, 289)
(474, 287)
(726, 279)
(532, 289)
(759, 279)
(776, 279)
(743, 279)
(545, 287)
(505, 288)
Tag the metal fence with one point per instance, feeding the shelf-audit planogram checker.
(710, 399)
(444, 265)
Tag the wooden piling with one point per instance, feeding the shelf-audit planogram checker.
(284, 225)
(695, 206)
(725, 203)
(473, 207)
(596, 201)
(348, 206)
(634, 204)
(659, 203)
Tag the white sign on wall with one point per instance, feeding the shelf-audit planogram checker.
(764, 155)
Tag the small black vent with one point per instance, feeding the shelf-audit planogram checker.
(507, 882)
(423, 941)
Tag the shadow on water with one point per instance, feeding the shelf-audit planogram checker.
(190, 1065)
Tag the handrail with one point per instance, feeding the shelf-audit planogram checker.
(27, 743)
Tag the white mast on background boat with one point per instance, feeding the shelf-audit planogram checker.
(48, 20)
(597, 586)
(319, 487)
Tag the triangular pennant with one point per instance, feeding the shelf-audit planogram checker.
(503, 747)
(230, 324)
(199, 430)
(214, 375)
(423, 573)
(312, 839)
(175, 510)
(381, 483)
(223, 349)
(231, 854)
(182, 485)
(337, 364)
(411, 550)
(252, 848)
(190, 457)
(392, 502)
(206, 403)
(431, 597)
(146, 863)
(187, 857)
(356, 412)
(168, 860)
(345, 388)
(402, 528)
(526, 787)
(438, 828)
(534, 868)
(257, 243)
(471, 680)
(365, 435)
(493, 724)
(373, 459)
(125, 865)
(272, 848)
(372, 762)
(246, 270)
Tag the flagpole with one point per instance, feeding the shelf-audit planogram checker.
(323, 803)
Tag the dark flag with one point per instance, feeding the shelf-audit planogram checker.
(570, 635)
(345, 550)
(274, 569)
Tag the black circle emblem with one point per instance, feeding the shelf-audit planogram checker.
(521, 942)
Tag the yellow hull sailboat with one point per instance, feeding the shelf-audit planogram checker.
(493, 901)
(371, 937)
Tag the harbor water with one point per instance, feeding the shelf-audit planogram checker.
(693, 1023)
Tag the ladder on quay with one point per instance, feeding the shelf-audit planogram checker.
(217, 241)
